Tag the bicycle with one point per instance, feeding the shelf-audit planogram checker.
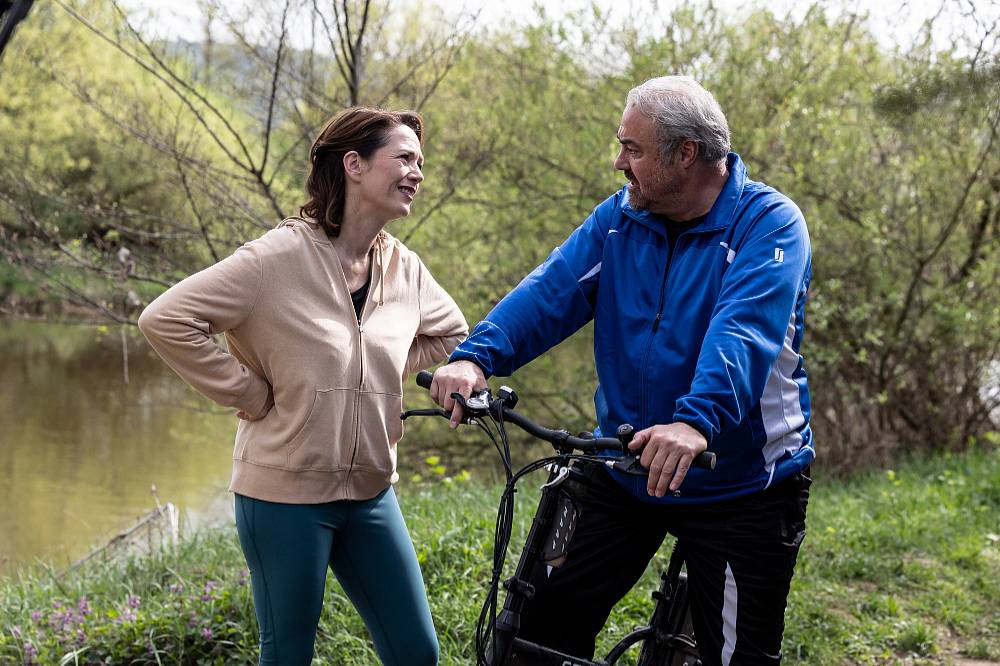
(667, 640)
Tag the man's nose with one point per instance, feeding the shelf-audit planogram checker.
(620, 162)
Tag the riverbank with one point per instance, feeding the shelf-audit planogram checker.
(899, 566)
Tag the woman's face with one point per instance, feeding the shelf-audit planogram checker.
(391, 177)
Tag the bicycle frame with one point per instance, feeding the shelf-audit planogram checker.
(667, 640)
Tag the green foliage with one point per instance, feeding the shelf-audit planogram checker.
(900, 563)
(891, 154)
(896, 567)
(904, 208)
(189, 606)
(108, 159)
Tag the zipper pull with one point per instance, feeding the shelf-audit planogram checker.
(656, 322)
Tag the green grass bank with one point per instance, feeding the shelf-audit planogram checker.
(898, 567)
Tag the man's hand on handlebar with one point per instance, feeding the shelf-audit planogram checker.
(462, 377)
(667, 452)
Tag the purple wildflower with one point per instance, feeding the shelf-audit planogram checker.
(133, 601)
(208, 593)
(176, 588)
(243, 577)
(30, 651)
(206, 633)
(16, 631)
(36, 616)
(83, 606)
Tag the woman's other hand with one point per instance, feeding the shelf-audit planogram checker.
(268, 404)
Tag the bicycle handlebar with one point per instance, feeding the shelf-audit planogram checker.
(556, 437)
(559, 438)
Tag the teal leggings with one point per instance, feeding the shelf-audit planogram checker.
(288, 548)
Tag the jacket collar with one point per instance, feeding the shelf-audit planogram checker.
(721, 214)
(382, 250)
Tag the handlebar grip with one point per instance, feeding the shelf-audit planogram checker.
(424, 379)
(705, 460)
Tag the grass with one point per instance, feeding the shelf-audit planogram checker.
(898, 567)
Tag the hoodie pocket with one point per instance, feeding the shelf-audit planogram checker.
(381, 428)
(326, 439)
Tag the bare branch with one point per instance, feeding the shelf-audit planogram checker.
(339, 56)
(274, 86)
(925, 260)
(194, 209)
(172, 87)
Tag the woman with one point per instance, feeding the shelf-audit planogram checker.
(324, 316)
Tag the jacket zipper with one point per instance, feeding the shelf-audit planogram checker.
(361, 381)
(652, 335)
(357, 408)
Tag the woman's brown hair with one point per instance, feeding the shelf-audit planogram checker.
(361, 129)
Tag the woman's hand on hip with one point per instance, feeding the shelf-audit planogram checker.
(268, 404)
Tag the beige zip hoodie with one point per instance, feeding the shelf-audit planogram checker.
(283, 303)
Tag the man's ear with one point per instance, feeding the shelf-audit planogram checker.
(687, 153)
(353, 165)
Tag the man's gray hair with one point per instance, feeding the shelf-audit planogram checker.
(683, 111)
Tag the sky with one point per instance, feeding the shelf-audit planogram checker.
(892, 21)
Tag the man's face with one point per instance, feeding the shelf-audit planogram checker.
(652, 184)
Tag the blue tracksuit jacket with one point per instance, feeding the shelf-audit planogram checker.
(706, 332)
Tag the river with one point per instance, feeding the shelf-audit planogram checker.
(80, 448)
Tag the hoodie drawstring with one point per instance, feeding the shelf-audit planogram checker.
(381, 272)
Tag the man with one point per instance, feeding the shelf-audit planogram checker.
(696, 279)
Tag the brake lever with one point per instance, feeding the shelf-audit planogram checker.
(628, 465)
(423, 412)
(467, 419)
(477, 404)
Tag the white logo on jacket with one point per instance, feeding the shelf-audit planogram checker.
(730, 253)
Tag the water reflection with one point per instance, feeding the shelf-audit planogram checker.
(79, 448)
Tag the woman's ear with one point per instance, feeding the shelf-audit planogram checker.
(353, 165)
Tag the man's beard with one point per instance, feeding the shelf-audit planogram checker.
(635, 197)
(658, 190)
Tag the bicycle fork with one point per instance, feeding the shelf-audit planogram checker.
(519, 589)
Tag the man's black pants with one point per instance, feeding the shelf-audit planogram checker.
(740, 557)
